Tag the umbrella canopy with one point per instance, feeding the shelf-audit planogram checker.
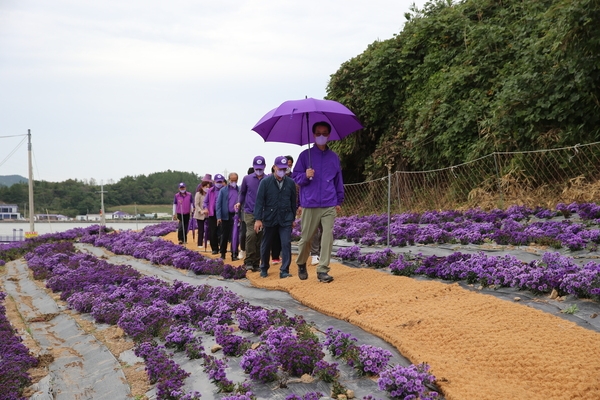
(292, 121)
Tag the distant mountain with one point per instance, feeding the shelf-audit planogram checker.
(9, 180)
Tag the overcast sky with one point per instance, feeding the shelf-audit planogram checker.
(124, 88)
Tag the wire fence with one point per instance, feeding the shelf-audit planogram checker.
(498, 180)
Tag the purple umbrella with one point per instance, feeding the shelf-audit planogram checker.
(292, 121)
(205, 232)
(192, 226)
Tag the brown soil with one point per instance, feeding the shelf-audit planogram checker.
(478, 346)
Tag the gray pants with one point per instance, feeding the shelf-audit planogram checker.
(252, 241)
(311, 218)
(315, 242)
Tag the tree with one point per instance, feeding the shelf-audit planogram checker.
(467, 79)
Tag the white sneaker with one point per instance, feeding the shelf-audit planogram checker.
(242, 254)
(315, 260)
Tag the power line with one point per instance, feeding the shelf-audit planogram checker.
(14, 150)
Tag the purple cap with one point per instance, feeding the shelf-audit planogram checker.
(182, 185)
(219, 178)
(207, 178)
(258, 162)
(281, 162)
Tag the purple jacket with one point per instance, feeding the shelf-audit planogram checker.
(248, 191)
(326, 189)
(183, 204)
(210, 201)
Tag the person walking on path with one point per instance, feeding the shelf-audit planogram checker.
(319, 175)
(247, 200)
(226, 210)
(276, 244)
(183, 205)
(210, 209)
(274, 213)
(199, 197)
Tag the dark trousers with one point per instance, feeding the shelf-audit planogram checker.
(213, 233)
(285, 236)
(182, 228)
(226, 230)
(200, 232)
(275, 248)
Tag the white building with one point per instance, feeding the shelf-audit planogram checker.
(9, 212)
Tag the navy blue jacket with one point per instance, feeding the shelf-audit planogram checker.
(276, 206)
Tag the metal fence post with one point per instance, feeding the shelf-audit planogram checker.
(501, 200)
(389, 202)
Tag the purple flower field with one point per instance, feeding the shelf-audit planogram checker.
(160, 317)
(575, 227)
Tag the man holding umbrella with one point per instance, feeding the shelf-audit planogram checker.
(318, 173)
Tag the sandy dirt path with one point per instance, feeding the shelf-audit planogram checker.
(478, 346)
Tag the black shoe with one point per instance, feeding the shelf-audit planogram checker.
(215, 252)
(255, 268)
(234, 258)
(180, 242)
(302, 273)
(283, 275)
(263, 273)
(324, 277)
(222, 256)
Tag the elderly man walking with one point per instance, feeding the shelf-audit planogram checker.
(247, 200)
(274, 213)
(319, 176)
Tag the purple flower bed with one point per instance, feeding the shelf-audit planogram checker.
(150, 310)
(143, 245)
(15, 359)
(553, 271)
(400, 382)
(408, 383)
(513, 226)
(15, 250)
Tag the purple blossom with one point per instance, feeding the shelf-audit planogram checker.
(407, 382)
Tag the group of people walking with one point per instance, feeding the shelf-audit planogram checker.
(266, 206)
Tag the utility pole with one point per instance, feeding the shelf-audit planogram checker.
(103, 219)
(31, 213)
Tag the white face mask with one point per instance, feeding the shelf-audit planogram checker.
(321, 140)
(181, 191)
(233, 184)
(259, 172)
(219, 185)
(280, 173)
(288, 170)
